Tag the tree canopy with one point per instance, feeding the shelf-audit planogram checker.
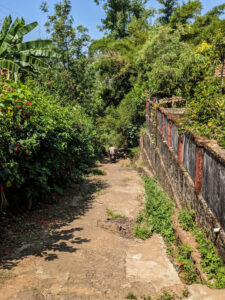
(119, 14)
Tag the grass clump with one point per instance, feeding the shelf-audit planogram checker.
(142, 232)
(133, 152)
(211, 263)
(185, 293)
(131, 295)
(166, 296)
(187, 219)
(159, 210)
(97, 172)
(158, 216)
(113, 215)
(189, 272)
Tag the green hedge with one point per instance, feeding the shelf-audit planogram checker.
(43, 145)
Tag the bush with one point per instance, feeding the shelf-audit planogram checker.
(43, 145)
(187, 219)
(142, 232)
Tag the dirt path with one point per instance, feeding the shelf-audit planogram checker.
(96, 258)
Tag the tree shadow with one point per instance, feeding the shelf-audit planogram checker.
(41, 232)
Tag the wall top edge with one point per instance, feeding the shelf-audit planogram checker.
(174, 114)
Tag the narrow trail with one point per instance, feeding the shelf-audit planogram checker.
(104, 261)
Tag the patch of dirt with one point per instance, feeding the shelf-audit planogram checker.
(122, 226)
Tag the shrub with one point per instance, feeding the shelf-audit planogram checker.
(43, 145)
(187, 219)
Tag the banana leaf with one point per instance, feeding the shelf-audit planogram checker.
(42, 53)
(39, 44)
(5, 28)
(10, 65)
(24, 30)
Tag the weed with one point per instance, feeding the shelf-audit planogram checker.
(133, 152)
(210, 261)
(135, 167)
(159, 210)
(158, 216)
(184, 257)
(111, 214)
(142, 232)
(146, 297)
(185, 293)
(166, 296)
(97, 172)
(187, 219)
(131, 295)
(141, 217)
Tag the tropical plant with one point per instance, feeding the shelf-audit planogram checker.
(16, 55)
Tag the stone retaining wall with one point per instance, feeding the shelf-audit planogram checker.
(191, 168)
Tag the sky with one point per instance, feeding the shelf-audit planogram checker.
(84, 12)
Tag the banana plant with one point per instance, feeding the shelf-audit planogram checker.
(17, 56)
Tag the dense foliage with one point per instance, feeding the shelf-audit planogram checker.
(18, 56)
(43, 145)
(175, 56)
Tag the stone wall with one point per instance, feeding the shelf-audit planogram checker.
(191, 168)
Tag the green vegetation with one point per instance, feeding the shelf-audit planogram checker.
(41, 142)
(113, 215)
(210, 261)
(175, 56)
(131, 295)
(185, 293)
(142, 232)
(18, 56)
(166, 296)
(159, 210)
(187, 219)
(157, 215)
(97, 172)
(56, 121)
(188, 269)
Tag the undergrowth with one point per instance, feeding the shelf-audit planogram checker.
(157, 215)
(210, 261)
(97, 172)
(184, 257)
(159, 211)
(131, 295)
(142, 232)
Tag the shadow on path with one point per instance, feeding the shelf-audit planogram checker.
(42, 230)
